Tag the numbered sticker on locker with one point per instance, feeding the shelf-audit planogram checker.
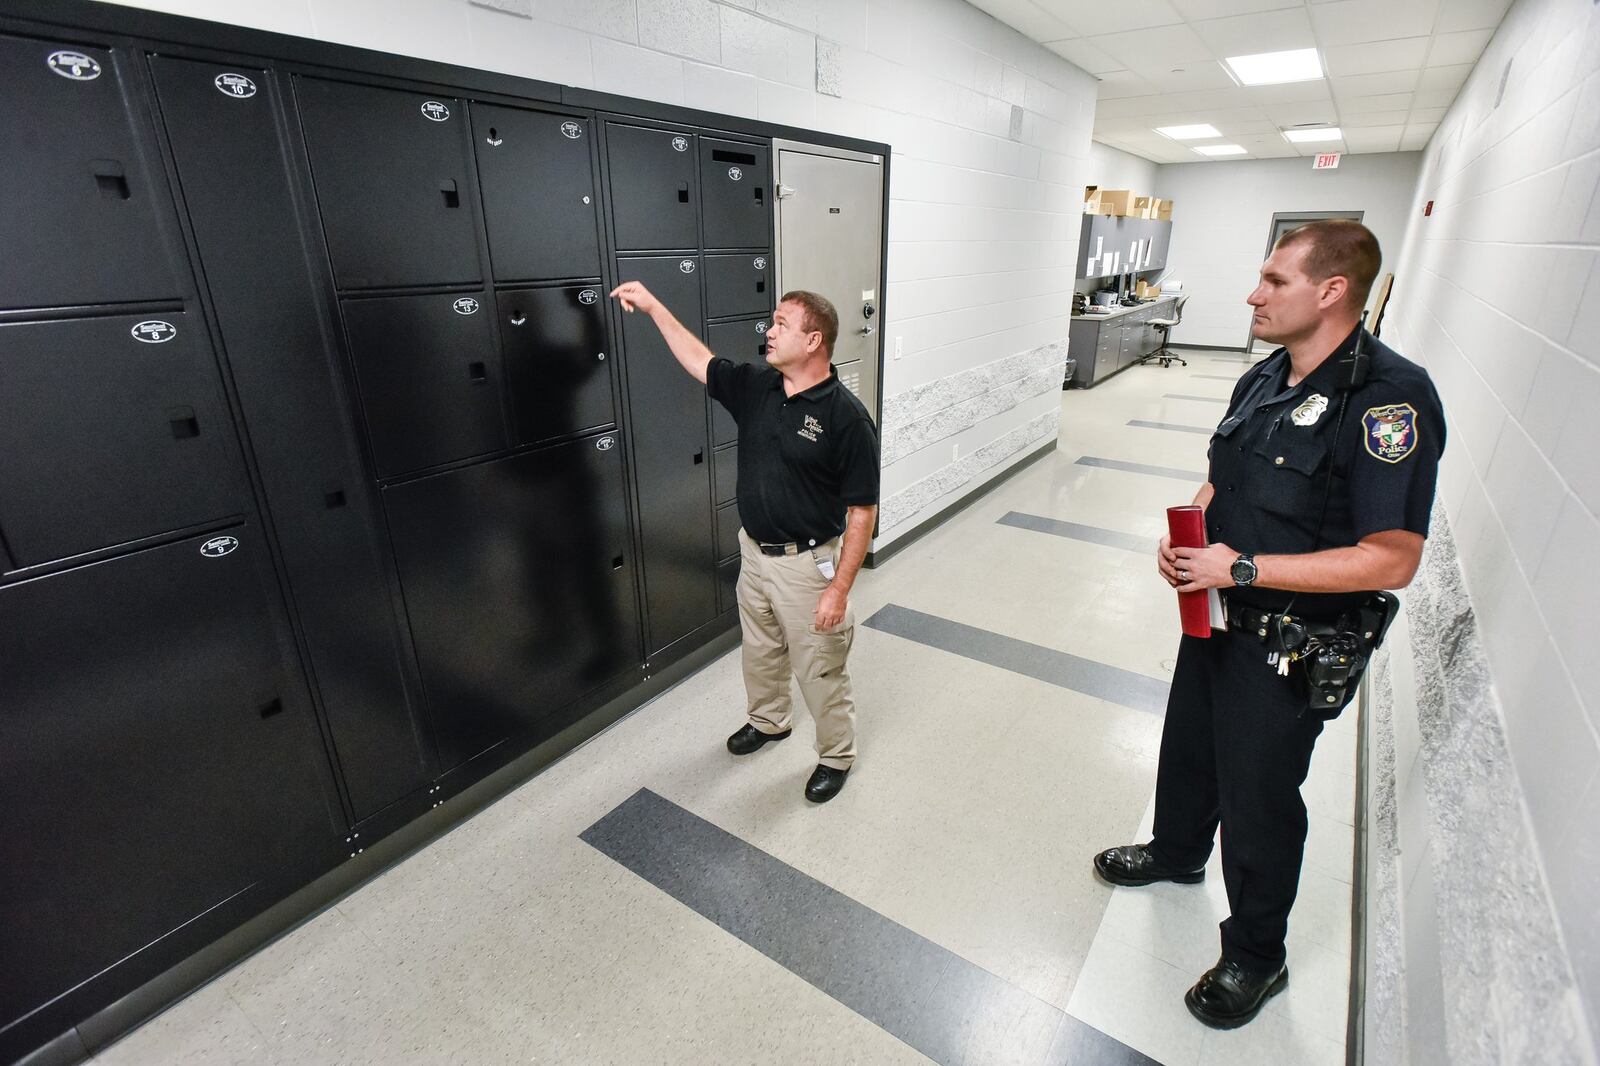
(236, 86)
(74, 65)
(434, 111)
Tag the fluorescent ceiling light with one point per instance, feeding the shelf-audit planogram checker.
(1221, 149)
(1331, 133)
(1275, 68)
(1189, 133)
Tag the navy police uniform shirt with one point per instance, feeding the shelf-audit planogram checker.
(802, 459)
(1270, 458)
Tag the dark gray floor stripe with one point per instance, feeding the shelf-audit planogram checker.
(1110, 683)
(1173, 427)
(1206, 399)
(929, 997)
(1221, 377)
(1111, 538)
(1143, 468)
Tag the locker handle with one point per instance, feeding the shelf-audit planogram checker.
(699, 457)
(111, 178)
(272, 709)
(477, 373)
(683, 192)
(760, 201)
(333, 498)
(183, 422)
(518, 318)
(616, 563)
(761, 284)
(452, 197)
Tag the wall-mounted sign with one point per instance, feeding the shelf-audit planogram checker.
(1326, 161)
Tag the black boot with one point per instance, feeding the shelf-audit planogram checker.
(1136, 864)
(749, 738)
(1226, 996)
(825, 784)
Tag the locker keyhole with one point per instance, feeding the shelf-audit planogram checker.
(518, 318)
(760, 200)
(477, 373)
(452, 197)
(333, 498)
(494, 137)
(183, 422)
(272, 709)
(616, 563)
(110, 178)
(761, 284)
(683, 192)
(699, 457)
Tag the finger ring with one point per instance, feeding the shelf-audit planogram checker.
(1184, 574)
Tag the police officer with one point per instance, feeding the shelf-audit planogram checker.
(808, 498)
(1320, 485)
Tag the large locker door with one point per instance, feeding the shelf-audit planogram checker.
(744, 341)
(393, 184)
(86, 215)
(554, 342)
(736, 186)
(654, 188)
(671, 456)
(538, 193)
(157, 758)
(113, 429)
(519, 585)
(430, 379)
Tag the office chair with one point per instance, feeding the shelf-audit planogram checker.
(1166, 355)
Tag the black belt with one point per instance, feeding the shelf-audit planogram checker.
(791, 548)
(1246, 619)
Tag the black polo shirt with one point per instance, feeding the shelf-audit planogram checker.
(802, 459)
(1270, 458)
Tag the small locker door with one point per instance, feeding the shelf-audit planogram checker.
(736, 186)
(430, 379)
(86, 213)
(739, 284)
(653, 188)
(538, 193)
(556, 361)
(393, 184)
(671, 456)
(744, 341)
(112, 429)
(519, 585)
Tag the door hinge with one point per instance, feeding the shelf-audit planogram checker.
(786, 191)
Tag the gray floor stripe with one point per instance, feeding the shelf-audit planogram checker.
(1206, 399)
(1111, 538)
(929, 997)
(1110, 683)
(1175, 428)
(1143, 468)
(1221, 377)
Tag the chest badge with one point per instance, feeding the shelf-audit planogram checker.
(1308, 413)
(1391, 431)
(811, 428)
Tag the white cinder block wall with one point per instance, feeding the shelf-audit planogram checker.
(990, 133)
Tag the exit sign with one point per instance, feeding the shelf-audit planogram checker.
(1327, 161)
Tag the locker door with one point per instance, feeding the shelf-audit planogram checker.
(430, 379)
(157, 755)
(86, 214)
(538, 193)
(727, 531)
(671, 457)
(727, 476)
(519, 586)
(113, 429)
(736, 184)
(556, 360)
(739, 284)
(393, 184)
(653, 188)
(743, 342)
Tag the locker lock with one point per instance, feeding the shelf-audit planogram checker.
(518, 318)
(585, 199)
(601, 357)
(868, 311)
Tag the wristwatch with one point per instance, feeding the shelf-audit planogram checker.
(1243, 570)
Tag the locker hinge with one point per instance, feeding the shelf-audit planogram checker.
(786, 191)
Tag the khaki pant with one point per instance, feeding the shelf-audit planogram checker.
(777, 612)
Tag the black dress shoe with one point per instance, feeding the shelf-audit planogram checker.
(1226, 996)
(825, 784)
(1134, 864)
(749, 739)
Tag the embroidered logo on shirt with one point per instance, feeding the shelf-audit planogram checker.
(1391, 431)
(1308, 413)
(810, 430)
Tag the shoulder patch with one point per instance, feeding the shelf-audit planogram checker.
(1391, 431)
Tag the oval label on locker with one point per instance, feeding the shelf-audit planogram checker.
(217, 547)
(571, 130)
(760, 262)
(734, 173)
(235, 85)
(588, 296)
(466, 306)
(761, 327)
(74, 65)
(680, 144)
(434, 111)
(687, 266)
(605, 444)
(154, 331)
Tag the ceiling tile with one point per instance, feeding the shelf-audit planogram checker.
(1156, 50)
(1434, 98)
(1454, 48)
(1288, 115)
(1089, 18)
(1444, 77)
(1415, 138)
(1372, 105)
(1376, 57)
(1119, 83)
(1358, 21)
(1373, 138)
(1426, 116)
(1394, 81)
(1087, 56)
(1026, 17)
(1293, 93)
(1192, 77)
(1471, 15)
(1373, 118)
(1244, 35)
(1195, 10)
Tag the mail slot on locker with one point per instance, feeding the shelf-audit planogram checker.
(393, 184)
(653, 193)
(429, 376)
(82, 217)
(112, 429)
(744, 341)
(556, 360)
(736, 190)
(739, 284)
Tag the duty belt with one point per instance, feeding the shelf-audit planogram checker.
(793, 548)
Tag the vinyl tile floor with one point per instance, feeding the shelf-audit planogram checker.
(652, 899)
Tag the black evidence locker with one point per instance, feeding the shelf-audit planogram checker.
(744, 341)
(559, 371)
(739, 284)
(736, 187)
(539, 197)
(653, 188)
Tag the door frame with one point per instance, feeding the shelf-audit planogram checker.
(1301, 217)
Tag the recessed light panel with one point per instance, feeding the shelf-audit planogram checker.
(1275, 68)
(1189, 133)
(1221, 149)
(1331, 133)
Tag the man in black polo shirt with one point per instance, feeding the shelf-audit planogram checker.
(1320, 486)
(808, 497)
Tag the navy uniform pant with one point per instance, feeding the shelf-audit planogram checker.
(1235, 749)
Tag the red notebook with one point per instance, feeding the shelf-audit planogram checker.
(1187, 525)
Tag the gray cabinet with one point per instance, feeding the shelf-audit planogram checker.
(1102, 345)
(1102, 235)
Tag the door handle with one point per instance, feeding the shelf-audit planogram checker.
(866, 331)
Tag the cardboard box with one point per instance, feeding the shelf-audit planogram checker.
(1164, 210)
(1091, 199)
(1104, 207)
(1120, 201)
(1144, 207)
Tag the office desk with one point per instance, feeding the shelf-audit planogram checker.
(1104, 344)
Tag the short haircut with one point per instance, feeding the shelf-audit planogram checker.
(820, 316)
(1339, 247)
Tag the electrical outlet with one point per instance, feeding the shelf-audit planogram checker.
(899, 347)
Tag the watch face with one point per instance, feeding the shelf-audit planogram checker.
(1244, 571)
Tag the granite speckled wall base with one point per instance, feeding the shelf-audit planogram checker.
(914, 497)
(928, 413)
(1466, 963)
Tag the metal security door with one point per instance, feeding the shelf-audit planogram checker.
(1283, 222)
(830, 240)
